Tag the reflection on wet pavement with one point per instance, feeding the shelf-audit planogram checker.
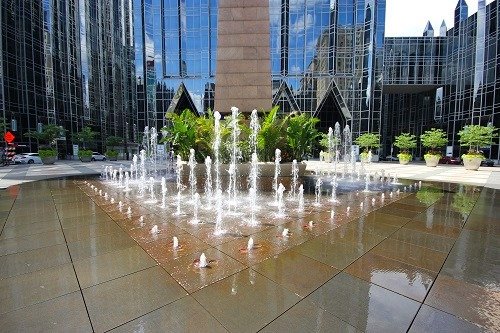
(426, 260)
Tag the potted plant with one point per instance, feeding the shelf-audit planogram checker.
(272, 135)
(405, 142)
(85, 155)
(46, 142)
(301, 135)
(433, 139)
(111, 154)
(48, 156)
(181, 132)
(112, 142)
(86, 136)
(367, 141)
(474, 137)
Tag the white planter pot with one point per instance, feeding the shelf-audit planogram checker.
(472, 163)
(404, 162)
(432, 160)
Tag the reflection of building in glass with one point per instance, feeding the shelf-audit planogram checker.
(175, 48)
(326, 56)
(446, 81)
(67, 63)
(330, 59)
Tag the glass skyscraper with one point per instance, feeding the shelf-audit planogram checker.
(68, 63)
(326, 58)
(120, 65)
(447, 81)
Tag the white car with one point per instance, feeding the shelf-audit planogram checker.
(27, 158)
(98, 157)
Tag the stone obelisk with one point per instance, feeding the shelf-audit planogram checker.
(243, 77)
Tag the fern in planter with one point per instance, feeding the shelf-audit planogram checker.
(271, 135)
(301, 135)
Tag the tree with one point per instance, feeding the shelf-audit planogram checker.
(48, 135)
(405, 142)
(434, 139)
(114, 141)
(3, 125)
(86, 136)
(368, 141)
(476, 136)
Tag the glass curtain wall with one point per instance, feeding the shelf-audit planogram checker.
(68, 63)
(329, 55)
(175, 49)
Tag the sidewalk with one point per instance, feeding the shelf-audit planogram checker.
(485, 176)
(22, 173)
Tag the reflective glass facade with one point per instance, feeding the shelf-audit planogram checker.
(119, 65)
(69, 63)
(326, 58)
(447, 81)
(175, 57)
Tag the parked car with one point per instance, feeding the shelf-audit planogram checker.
(98, 157)
(488, 162)
(27, 158)
(450, 160)
(391, 158)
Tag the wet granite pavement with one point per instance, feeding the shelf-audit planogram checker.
(426, 261)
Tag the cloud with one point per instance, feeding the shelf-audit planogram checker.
(299, 4)
(295, 69)
(409, 17)
(197, 100)
(302, 23)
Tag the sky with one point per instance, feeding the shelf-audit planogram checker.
(409, 17)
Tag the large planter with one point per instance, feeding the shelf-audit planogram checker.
(471, 162)
(85, 158)
(49, 160)
(431, 160)
(404, 158)
(243, 169)
(363, 158)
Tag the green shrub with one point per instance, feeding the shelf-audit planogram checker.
(45, 153)
(434, 139)
(272, 135)
(85, 153)
(301, 134)
(404, 157)
(405, 142)
(110, 153)
(295, 135)
(476, 136)
(368, 141)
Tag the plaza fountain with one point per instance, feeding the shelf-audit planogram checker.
(235, 203)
